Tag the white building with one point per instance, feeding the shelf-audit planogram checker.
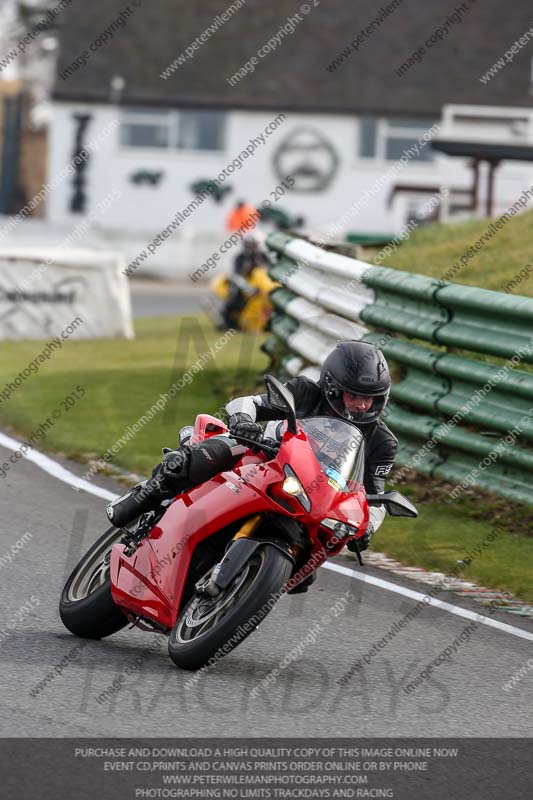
(349, 130)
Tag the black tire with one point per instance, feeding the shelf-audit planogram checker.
(264, 575)
(86, 607)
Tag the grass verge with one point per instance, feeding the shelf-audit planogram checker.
(434, 249)
(445, 532)
(122, 379)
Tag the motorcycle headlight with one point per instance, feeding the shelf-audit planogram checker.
(292, 486)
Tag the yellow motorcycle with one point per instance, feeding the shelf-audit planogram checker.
(245, 301)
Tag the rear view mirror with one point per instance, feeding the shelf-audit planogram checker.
(396, 504)
(281, 399)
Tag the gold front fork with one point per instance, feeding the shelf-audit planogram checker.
(248, 528)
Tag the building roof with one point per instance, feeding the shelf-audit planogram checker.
(295, 75)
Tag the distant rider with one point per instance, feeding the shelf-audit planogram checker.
(252, 256)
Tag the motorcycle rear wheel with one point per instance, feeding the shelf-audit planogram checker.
(210, 627)
(86, 607)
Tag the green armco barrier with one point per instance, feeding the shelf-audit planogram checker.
(280, 271)
(404, 303)
(281, 298)
(452, 366)
(497, 398)
(404, 352)
(504, 481)
(406, 284)
(420, 390)
(277, 241)
(285, 373)
(271, 346)
(370, 239)
(399, 314)
(476, 415)
(411, 438)
(283, 270)
(498, 411)
(467, 369)
(487, 322)
(449, 437)
(457, 439)
(473, 300)
(407, 451)
(283, 326)
(457, 454)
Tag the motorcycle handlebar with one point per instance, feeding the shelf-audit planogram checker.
(269, 446)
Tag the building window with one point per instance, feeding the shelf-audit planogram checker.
(173, 130)
(367, 137)
(388, 138)
(145, 129)
(201, 130)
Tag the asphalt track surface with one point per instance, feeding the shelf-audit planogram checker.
(166, 298)
(464, 697)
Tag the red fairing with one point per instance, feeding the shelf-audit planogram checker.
(206, 426)
(150, 583)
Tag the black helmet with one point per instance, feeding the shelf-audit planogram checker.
(359, 368)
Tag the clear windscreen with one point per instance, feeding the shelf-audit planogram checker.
(339, 449)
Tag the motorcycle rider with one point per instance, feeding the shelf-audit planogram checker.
(354, 385)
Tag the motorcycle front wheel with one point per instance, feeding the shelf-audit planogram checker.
(210, 627)
(86, 607)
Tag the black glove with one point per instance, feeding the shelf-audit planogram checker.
(272, 445)
(362, 543)
(241, 426)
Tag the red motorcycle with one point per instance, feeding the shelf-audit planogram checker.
(207, 568)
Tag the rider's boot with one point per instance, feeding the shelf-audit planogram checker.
(144, 497)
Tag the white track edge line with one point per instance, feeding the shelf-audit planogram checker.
(452, 609)
(57, 471)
